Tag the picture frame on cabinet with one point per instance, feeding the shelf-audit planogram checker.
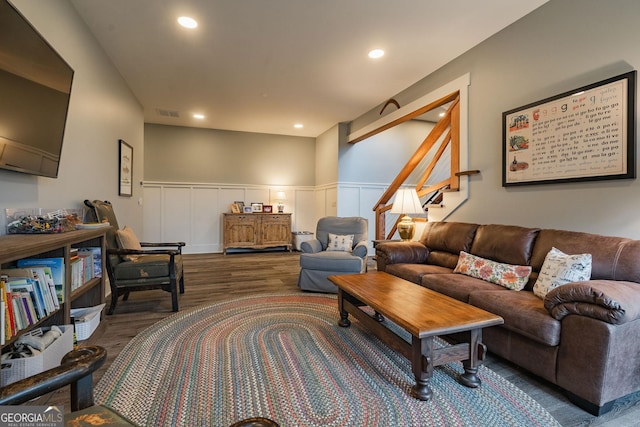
(235, 208)
(256, 207)
(267, 208)
(247, 209)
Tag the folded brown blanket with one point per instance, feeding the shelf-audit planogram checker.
(612, 301)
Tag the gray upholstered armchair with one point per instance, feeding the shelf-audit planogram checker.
(340, 247)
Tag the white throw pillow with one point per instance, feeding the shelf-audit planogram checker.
(559, 268)
(340, 242)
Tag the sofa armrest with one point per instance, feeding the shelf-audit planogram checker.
(311, 246)
(400, 253)
(361, 249)
(612, 301)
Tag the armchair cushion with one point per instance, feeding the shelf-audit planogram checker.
(340, 242)
(331, 261)
(127, 239)
(146, 267)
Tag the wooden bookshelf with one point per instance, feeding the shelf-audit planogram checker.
(18, 246)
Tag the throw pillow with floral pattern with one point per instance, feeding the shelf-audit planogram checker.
(514, 277)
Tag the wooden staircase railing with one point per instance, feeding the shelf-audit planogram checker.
(447, 130)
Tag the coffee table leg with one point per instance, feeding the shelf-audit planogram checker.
(471, 365)
(344, 315)
(422, 366)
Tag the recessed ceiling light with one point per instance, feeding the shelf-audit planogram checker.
(376, 53)
(187, 22)
(298, 126)
(198, 116)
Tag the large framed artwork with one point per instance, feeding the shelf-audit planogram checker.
(585, 134)
(125, 174)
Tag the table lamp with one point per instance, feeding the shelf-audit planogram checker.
(281, 196)
(405, 203)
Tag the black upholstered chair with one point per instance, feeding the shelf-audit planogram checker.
(139, 269)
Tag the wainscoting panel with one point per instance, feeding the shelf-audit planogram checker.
(205, 220)
(193, 212)
(303, 218)
(176, 225)
(151, 217)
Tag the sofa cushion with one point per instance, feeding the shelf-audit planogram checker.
(522, 312)
(414, 272)
(331, 261)
(605, 251)
(559, 269)
(505, 243)
(512, 277)
(458, 286)
(445, 240)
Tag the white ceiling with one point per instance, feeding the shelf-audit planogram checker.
(263, 65)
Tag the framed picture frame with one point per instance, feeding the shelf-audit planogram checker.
(125, 172)
(240, 204)
(267, 208)
(256, 207)
(235, 208)
(585, 134)
(247, 209)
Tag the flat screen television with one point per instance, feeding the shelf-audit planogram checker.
(35, 87)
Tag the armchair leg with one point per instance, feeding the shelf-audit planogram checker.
(174, 295)
(182, 284)
(114, 301)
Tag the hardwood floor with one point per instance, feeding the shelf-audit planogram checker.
(211, 278)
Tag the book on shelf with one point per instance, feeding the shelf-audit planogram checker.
(96, 254)
(9, 328)
(55, 265)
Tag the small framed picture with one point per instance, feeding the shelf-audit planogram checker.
(235, 208)
(256, 207)
(247, 209)
(267, 208)
(240, 204)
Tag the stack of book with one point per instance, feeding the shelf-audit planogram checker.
(29, 294)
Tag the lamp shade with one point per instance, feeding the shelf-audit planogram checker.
(281, 195)
(406, 202)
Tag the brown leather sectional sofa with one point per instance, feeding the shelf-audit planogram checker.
(583, 336)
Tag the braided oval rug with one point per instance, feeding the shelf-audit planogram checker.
(284, 357)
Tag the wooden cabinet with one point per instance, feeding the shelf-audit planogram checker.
(18, 246)
(256, 231)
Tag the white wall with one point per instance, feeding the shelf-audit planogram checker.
(563, 45)
(102, 110)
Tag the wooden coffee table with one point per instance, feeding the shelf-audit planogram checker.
(423, 313)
